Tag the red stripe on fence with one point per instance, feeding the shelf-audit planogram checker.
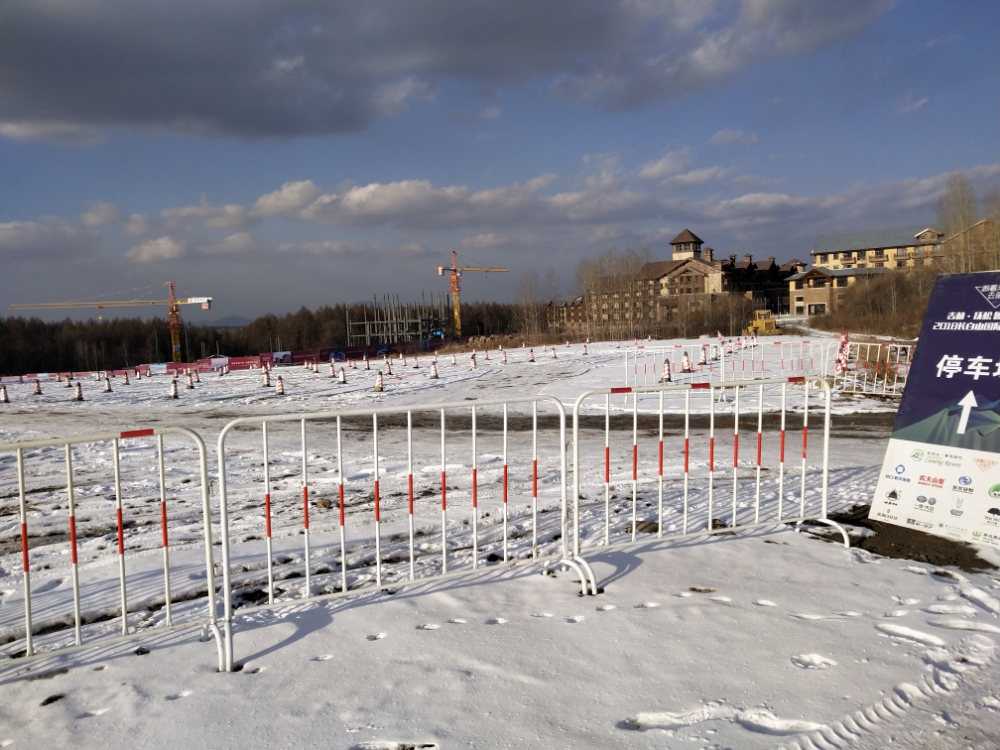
(121, 534)
(797, 379)
(759, 441)
(686, 454)
(635, 462)
(711, 454)
(72, 539)
(782, 446)
(505, 483)
(736, 449)
(701, 385)
(377, 517)
(409, 483)
(475, 490)
(607, 464)
(305, 507)
(163, 522)
(805, 439)
(534, 478)
(136, 433)
(267, 514)
(24, 545)
(661, 458)
(444, 494)
(621, 390)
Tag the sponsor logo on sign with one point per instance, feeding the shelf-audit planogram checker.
(900, 469)
(957, 511)
(887, 516)
(963, 490)
(994, 491)
(985, 464)
(892, 496)
(917, 455)
(994, 511)
(990, 294)
(965, 480)
(948, 529)
(929, 481)
(919, 524)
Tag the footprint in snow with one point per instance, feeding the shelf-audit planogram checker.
(950, 609)
(495, 621)
(981, 627)
(428, 626)
(647, 605)
(898, 631)
(813, 661)
(376, 636)
(178, 696)
(721, 599)
(99, 711)
(606, 608)
(575, 619)
(897, 613)
(764, 603)
(324, 657)
(542, 614)
(763, 721)
(458, 621)
(905, 602)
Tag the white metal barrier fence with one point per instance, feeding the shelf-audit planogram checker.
(93, 601)
(357, 476)
(759, 493)
(876, 369)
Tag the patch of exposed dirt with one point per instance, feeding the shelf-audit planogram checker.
(911, 544)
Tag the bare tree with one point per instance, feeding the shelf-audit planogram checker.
(529, 305)
(992, 230)
(956, 213)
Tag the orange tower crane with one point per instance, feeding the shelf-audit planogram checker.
(173, 314)
(456, 273)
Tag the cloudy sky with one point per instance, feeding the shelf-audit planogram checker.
(280, 154)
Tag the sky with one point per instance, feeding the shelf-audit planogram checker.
(279, 154)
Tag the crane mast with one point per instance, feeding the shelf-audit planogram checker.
(456, 273)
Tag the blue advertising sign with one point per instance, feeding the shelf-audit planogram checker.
(941, 472)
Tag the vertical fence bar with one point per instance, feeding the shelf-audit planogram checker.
(711, 454)
(805, 440)
(267, 517)
(72, 546)
(534, 479)
(23, 506)
(659, 509)
(475, 498)
(760, 443)
(378, 517)
(444, 502)
(505, 483)
(736, 448)
(409, 484)
(116, 459)
(635, 461)
(163, 526)
(343, 536)
(607, 469)
(687, 453)
(305, 512)
(826, 450)
(781, 455)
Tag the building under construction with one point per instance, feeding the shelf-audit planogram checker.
(394, 322)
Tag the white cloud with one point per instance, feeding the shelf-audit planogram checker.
(45, 238)
(162, 248)
(672, 162)
(694, 178)
(288, 200)
(101, 213)
(905, 105)
(230, 216)
(393, 98)
(65, 133)
(733, 138)
(484, 241)
(235, 244)
(137, 224)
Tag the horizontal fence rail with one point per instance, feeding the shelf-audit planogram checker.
(686, 486)
(349, 501)
(105, 498)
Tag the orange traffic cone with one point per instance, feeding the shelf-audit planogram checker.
(378, 382)
(78, 393)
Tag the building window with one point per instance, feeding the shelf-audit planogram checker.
(900, 264)
(799, 299)
(880, 265)
(823, 258)
(798, 284)
(817, 309)
(842, 281)
(799, 310)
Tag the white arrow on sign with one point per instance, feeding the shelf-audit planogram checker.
(966, 403)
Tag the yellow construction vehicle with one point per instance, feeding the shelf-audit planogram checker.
(763, 324)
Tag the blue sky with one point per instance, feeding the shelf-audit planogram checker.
(280, 154)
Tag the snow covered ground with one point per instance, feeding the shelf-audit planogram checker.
(767, 639)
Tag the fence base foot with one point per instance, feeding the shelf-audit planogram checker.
(588, 583)
(828, 522)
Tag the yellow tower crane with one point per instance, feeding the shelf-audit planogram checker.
(173, 314)
(456, 272)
